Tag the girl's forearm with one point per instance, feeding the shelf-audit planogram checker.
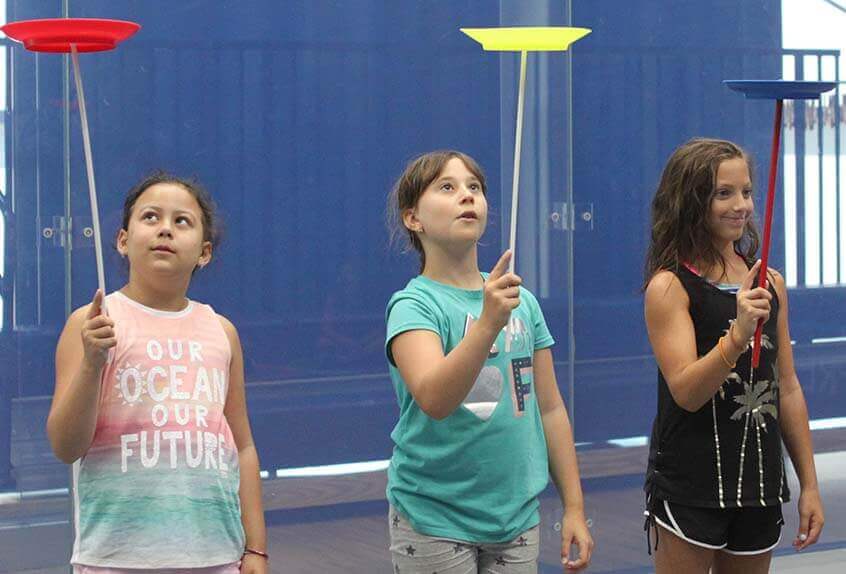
(563, 464)
(252, 512)
(446, 384)
(699, 381)
(73, 419)
(793, 420)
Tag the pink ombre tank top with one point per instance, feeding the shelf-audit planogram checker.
(158, 488)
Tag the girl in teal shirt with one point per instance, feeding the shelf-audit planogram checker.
(482, 423)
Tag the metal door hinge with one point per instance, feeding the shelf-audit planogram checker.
(578, 218)
(59, 231)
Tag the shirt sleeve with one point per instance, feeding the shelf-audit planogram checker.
(543, 338)
(408, 313)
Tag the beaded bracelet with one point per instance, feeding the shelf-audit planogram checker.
(249, 550)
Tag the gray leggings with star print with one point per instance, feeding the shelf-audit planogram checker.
(415, 553)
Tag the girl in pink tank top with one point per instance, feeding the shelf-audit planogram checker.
(150, 408)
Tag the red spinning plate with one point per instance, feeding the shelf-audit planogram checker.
(57, 34)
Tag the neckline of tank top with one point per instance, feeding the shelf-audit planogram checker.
(157, 312)
(728, 288)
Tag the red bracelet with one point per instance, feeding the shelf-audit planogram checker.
(264, 555)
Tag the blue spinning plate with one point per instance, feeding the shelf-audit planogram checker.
(780, 89)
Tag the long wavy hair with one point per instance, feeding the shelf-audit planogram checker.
(680, 231)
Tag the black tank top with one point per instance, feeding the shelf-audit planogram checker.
(728, 453)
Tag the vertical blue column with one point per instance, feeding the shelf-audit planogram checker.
(6, 340)
(6, 346)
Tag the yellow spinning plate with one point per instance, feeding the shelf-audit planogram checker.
(523, 40)
(526, 38)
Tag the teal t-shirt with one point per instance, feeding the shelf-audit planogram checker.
(475, 475)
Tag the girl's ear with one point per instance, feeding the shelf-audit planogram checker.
(409, 219)
(120, 242)
(205, 254)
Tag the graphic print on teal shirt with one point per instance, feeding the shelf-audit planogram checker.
(487, 390)
(474, 475)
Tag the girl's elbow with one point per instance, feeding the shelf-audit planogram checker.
(434, 410)
(64, 452)
(684, 400)
(66, 457)
(430, 401)
(433, 406)
(689, 407)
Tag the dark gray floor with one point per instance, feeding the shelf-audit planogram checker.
(352, 537)
(358, 544)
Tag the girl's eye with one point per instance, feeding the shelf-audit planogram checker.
(149, 216)
(475, 186)
(183, 219)
(747, 193)
(446, 187)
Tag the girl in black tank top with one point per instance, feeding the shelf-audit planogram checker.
(716, 478)
(741, 464)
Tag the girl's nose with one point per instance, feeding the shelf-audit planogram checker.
(742, 203)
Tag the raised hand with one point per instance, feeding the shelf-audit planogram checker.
(753, 304)
(502, 294)
(98, 334)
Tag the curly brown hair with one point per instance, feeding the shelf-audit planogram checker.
(680, 230)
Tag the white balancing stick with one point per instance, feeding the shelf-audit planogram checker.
(515, 187)
(518, 140)
(89, 166)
